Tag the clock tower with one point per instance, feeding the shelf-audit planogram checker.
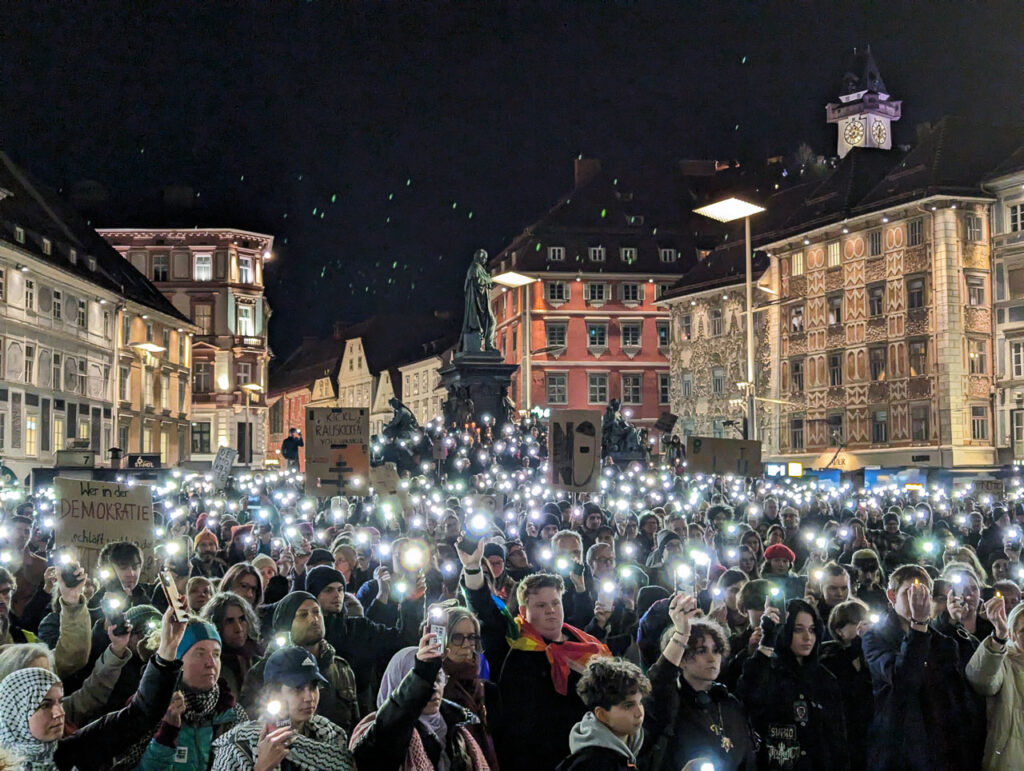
(865, 111)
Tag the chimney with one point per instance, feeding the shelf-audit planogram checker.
(586, 169)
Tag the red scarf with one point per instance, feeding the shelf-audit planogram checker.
(562, 656)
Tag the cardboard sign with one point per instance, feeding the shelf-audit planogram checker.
(708, 455)
(384, 479)
(337, 450)
(574, 447)
(666, 422)
(90, 514)
(226, 457)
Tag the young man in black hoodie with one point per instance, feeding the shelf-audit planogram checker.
(609, 736)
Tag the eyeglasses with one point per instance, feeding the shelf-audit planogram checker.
(459, 640)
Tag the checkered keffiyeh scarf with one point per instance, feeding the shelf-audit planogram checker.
(322, 745)
(21, 693)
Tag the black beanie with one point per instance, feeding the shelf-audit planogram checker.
(494, 550)
(321, 576)
(286, 609)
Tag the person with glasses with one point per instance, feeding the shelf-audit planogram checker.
(467, 685)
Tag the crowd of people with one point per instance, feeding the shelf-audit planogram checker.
(474, 617)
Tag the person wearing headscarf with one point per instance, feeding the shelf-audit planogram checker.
(32, 718)
(414, 728)
(289, 734)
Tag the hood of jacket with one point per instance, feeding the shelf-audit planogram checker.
(591, 732)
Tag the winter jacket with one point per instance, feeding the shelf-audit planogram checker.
(92, 747)
(858, 699)
(235, 664)
(321, 745)
(999, 676)
(595, 748)
(190, 746)
(923, 715)
(678, 724)
(86, 703)
(383, 739)
(74, 643)
(337, 701)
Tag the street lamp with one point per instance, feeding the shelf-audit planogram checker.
(514, 280)
(250, 389)
(729, 210)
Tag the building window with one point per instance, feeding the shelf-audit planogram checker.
(201, 438)
(915, 293)
(57, 367)
(19, 234)
(47, 247)
(596, 253)
(879, 427)
(181, 348)
(204, 267)
(30, 295)
(975, 290)
(979, 422)
(161, 266)
(165, 392)
(244, 321)
(686, 385)
(631, 293)
(58, 432)
(597, 388)
(796, 433)
(31, 435)
(835, 309)
(972, 226)
(167, 340)
(976, 353)
(597, 335)
(876, 298)
(243, 373)
(877, 361)
(631, 334)
(835, 369)
(919, 423)
(717, 381)
(83, 314)
(631, 389)
(917, 353)
(668, 255)
(796, 318)
(201, 377)
(556, 253)
(1016, 218)
(797, 264)
(557, 387)
(556, 333)
(915, 232)
(717, 322)
(122, 385)
(834, 427)
(3, 285)
(796, 369)
(833, 254)
(874, 243)
(558, 291)
(1017, 359)
(106, 324)
(664, 382)
(685, 327)
(73, 256)
(245, 270)
(30, 364)
(663, 334)
(597, 292)
(204, 318)
(627, 254)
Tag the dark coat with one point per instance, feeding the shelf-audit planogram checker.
(923, 708)
(858, 700)
(93, 746)
(678, 721)
(596, 759)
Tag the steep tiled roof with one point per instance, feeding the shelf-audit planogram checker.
(313, 359)
(43, 214)
(391, 340)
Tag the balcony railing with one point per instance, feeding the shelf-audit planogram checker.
(245, 341)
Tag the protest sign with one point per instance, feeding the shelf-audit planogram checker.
(574, 447)
(226, 457)
(92, 514)
(337, 443)
(709, 455)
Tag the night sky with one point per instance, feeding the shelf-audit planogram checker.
(382, 143)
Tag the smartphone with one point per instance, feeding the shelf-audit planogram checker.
(173, 598)
(113, 614)
(275, 715)
(437, 619)
(606, 592)
(68, 566)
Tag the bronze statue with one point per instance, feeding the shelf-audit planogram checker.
(616, 434)
(403, 423)
(478, 317)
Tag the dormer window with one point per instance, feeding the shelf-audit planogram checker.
(73, 256)
(556, 253)
(92, 262)
(668, 255)
(627, 254)
(19, 234)
(596, 253)
(47, 246)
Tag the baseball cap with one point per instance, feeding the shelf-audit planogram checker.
(293, 666)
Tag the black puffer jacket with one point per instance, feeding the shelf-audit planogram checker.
(855, 687)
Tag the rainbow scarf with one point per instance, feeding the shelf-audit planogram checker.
(564, 656)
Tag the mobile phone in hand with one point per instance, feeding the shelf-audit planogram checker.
(437, 619)
(113, 614)
(173, 597)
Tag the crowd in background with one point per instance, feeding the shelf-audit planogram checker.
(472, 617)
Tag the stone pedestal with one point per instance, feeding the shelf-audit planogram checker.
(477, 385)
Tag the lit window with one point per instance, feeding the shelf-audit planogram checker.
(245, 270)
(556, 253)
(797, 264)
(245, 324)
(972, 227)
(631, 335)
(685, 326)
(47, 246)
(161, 266)
(917, 355)
(204, 267)
(833, 254)
(978, 357)
(31, 435)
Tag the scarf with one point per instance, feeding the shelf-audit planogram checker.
(564, 656)
(417, 759)
(21, 692)
(320, 745)
(401, 664)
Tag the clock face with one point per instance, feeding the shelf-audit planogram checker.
(879, 133)
(854, 132)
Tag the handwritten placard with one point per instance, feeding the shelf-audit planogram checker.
(337, 449)
(92, 514)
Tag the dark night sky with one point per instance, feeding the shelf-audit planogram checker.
(458, 121)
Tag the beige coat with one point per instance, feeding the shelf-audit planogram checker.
(999, 676)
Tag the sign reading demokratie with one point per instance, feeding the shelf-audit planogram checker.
(92, 514)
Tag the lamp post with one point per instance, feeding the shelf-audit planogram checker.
(250, 389)
(729, 210)
(514, 280)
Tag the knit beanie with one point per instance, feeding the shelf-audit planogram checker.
(779, 551)
(205, 535)
(494, 550)
(140, 615)
(195, 632)
(286, 609)
(320, 576)
(320, 557)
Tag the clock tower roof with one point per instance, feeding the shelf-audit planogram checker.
(862, 75)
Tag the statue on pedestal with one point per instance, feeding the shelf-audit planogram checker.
(403, 423)
(617, 435)
(478, 317)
